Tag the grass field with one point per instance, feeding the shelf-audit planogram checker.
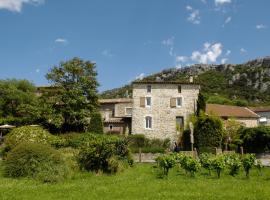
(141, 182)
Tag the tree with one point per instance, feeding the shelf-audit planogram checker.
(75, 96)
(201, 105)
(230, 134)
(18, 102)
(96, 123)
(208, 131)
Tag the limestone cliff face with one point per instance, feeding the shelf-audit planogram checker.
(249, 81)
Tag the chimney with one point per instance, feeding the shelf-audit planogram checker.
(191, 79)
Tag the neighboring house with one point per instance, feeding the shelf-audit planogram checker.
(116, 114)
(241, 114)
(161, 109)
(264, 113)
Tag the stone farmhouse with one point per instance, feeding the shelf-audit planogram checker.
(157, 109)
(264, 113)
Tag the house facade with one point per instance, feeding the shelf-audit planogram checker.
(116, 114)
(264, 113)
(243, 115)
(162, 109)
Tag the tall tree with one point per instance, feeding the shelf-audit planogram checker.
(75, 96)
(201, 105)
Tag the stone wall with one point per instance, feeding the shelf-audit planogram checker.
(163, 116)
(107, 110)
(120, 109)
(248, 122)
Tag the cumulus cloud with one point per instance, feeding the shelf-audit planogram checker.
(61, 40)
(140, 76)
(260, 26)
(222, 2)
(194, 15)
(16, 5)
(228, 19)
(209, 54)
(243, 51)
(169, 43)
(181, 59)
(228, 52)
(224, 60)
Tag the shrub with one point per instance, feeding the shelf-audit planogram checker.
(248, 161)
(28, 134)
(97, 152)
(208, 131)
(165, 162)
(188, 163)
(206, 161)
(218, 164)
(36, 161)
(96, 123)
(234, 164)
(255, 140)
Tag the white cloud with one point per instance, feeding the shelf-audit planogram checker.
(243, 51)
(140, 76)
(16, 5)
(228, 19)
(107, 53)
(260, 26)
(169, 43)
(228, 52)
(209, 54)
(194, 15)
(222, 2)
(224, 60)
(181, 59)
(37, 70)
(61, 40)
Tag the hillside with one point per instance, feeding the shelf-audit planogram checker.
(241, 84)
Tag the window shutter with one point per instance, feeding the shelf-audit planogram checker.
(142, 102)
(173, 102)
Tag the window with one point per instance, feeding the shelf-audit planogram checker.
(179, 123)
(148, 122)
(148, 101)
(111, 127)
(179, 89)
(178, 101)
(149, 88)
(128, 111)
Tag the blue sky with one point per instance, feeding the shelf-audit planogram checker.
(129, 38)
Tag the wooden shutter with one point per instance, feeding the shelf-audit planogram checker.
(173, 102)
(142, 102)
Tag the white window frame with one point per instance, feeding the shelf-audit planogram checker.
(177, 105)
(126, 111)
(149, 86)
(146, 105)
(145, 122)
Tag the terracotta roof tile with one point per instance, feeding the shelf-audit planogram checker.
(230, 111)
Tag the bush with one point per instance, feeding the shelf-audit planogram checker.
(36, 161)
(206, 161)
(218, 164)
(165, 162)
(234, 164)
(248, 161)
(208, 131)
(99, 153)
(28, 134)
(255, 140)
(188, 163)
(96, 123)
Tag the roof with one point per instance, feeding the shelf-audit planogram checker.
(164, 82)
(120, 100)
(230, 111)
(114, 121)
(260, 109)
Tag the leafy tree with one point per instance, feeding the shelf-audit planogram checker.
(18, 102)
(231, 129)
(75, 96)
(201, 105)
(96, 123)
(208, 131)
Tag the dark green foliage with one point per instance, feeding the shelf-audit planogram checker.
(36, 161)
(206, 161)
(218, 164)
(165, 162)
(208, 132)
(96, 123)
(233, 161)
(147, 145)
(248, 161)
(28, 134)
(98, 153)
(255, 140)
(75, 97)
(201, 104)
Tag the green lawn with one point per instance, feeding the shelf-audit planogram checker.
(141, 182)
